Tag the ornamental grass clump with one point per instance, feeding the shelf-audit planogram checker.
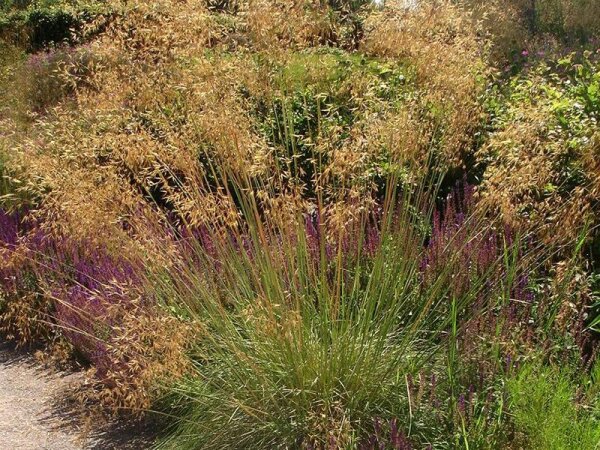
(306, 335)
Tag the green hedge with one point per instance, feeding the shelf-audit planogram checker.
(36, 27)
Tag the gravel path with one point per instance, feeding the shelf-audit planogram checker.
(31, 420)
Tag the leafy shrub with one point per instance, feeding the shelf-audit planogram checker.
(551, 107)
(541, 159)
(52, 22)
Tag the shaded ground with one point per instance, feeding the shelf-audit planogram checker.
(32, 416)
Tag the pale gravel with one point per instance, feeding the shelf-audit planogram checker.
(27, 396)
(33, 417)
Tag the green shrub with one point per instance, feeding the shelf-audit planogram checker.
(52, 22)
(550, 413)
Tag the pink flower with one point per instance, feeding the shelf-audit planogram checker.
(525, 53)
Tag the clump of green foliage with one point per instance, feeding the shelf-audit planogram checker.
(554, 102)
(556, 407)
(37, 24)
